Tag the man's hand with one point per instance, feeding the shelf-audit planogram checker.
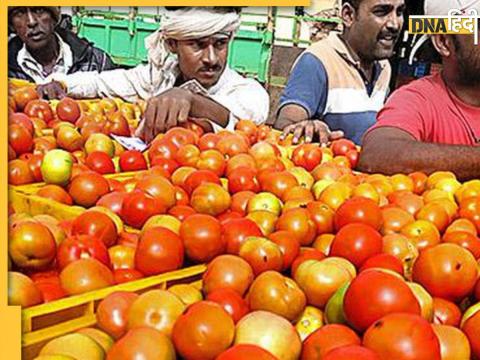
(310, 128)
(51, 90)
(164, 112)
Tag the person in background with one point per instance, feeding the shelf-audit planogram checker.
(186, 76)
(433, 123)
(338, 84)
(40, 48)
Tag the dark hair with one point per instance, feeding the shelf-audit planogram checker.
(354, 3)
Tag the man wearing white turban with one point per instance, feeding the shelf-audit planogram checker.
(186, 76)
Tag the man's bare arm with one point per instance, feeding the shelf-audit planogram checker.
(288, 115)
(389, 150)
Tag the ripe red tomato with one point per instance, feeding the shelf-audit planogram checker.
(470, 328)
(342, 146)
(446, 312)
(391, 337)
(97, 224)
(322, 216)
(168, 165)
(159, 250)
(236, 231)
(246, 351)
(351, 352)
(22, 120)
(299, 222)
(51, 289)
(112, 201)
(198, 177)
(359, 210)
(68, 110)
(159, 188)
(20, 139)
(19, 173)
(229, 272)
(353, 157)
(447, 271)
(85, 275)
(307, 156)
(243, 179)
(327, 338)
(39, 109)
(132, 160)
(181, 212)
(232, 144)
(162, 148)
(86, 188)
(202, 237)
(81, 247)
(469, 209)
(211, 199)
(23, 96)
(240, 201)
(357, 242)
(118, 124)
(384, 261)
(204, 331)
(112, 313)
(138, 207)
(306, 254)
(35, 162)
(288, 244)
(374, 294)
(277, 182)
(180, 137)
(466, 240)
(231, 302)
(100, 162)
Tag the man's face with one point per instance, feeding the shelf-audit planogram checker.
(34, 25)
(376, 27)
(468, 59)
(203, 59)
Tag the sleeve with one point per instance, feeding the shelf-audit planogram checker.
(307, 86)
(406, 110)
(246, 100)
(128, 84)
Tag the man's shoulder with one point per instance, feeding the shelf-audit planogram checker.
(422, 88)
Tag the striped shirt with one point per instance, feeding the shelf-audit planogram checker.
(327, 82)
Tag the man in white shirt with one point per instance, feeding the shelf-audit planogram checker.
(186, 76)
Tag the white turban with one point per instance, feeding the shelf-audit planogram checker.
(186, 24)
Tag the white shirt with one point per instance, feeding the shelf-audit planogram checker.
(244, 98)
(36, 71)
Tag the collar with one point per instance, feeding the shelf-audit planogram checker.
(29, 64)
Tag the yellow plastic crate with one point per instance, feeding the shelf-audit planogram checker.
(44, 322)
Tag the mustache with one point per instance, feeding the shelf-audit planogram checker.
(215, 68)
(395, 34)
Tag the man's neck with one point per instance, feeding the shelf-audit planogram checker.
(47, 55)
(467, 93)
(366, 66)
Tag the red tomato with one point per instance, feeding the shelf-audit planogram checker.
(159, 188)
(162, 148)
(307, 156)
(446, 312)
(24, 95)
(359, 210)
(202, 237)
(384, 261)
(159, 250)
(356, 242)
(180, 137)
(112, 313)
(342, 146)
(211, 199)
(229, 215)
(68, 110)
(212, 160)
(22, 120)
(374, 294)
(231, 302)
(469, 209)
(236, 231)
(126, 275)
(39, 109)
(97, 224)
(168, 165)
(51, 289)
(203, 331)
(306, 254)
(132, 160)
(322, 216)
(353, 157)
(277, 182)
(243, 179)
(466, 240)
(85, 275)
(181, 212)
(196, 178)
(20, 139)
(246, 351)
(288, 244)
(81, 247)
(86, 188)
(351, 352)
(19, 173)
(391, 337)
(35, 162)
(113, 201)
(240, 201)
(447, 271)
(327, 338)
(470, 328)
(138, 207)
(118, 124)
(208, 141)
(299, 222)
(227, 271)
(100, 162)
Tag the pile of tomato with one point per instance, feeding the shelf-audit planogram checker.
(307, 259)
